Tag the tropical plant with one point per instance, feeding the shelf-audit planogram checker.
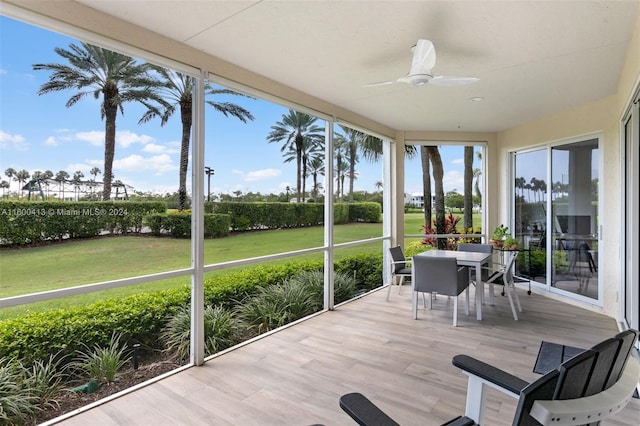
(221, 331)
(294, 128)
(95, 71)
(451, 227)
(344, 285)
(44, 379)
(17, 404)
(103, 363)
(276, 305)
(177, 92)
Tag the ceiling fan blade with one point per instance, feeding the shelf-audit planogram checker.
(380, 83)
(450, 80)
(424, 57)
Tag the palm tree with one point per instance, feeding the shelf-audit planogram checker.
(177, 91)
(95, 71)
(61, 178)
(22, 176)
(77, 181)
(293, 129)
(468, 185)
(46, 176)
(94, 172)
(11, 174)
(4, 185)
(426, 185)
(309, 150)
(438, 175)
(315, 169)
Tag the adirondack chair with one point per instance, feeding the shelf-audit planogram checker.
(583, 390)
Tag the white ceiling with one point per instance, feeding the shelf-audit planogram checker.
(533, 58)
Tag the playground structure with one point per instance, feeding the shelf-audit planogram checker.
(80, 190)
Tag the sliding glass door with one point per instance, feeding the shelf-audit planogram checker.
(555, 199)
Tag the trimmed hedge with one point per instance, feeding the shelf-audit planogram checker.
(31, 222)
(140, 317)
(273, 215)
(178, 225)
(365, 212)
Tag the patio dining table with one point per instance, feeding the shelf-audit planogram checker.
(466, 258)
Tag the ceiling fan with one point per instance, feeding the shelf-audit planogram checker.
(424, 59)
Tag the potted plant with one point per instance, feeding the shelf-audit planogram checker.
(511, 243)
(499, 235)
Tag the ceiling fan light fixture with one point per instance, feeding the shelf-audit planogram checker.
(476, 99)
(419, 79)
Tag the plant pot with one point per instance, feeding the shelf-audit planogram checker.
(496, 243)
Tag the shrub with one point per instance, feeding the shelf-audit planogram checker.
(220, 331)
(28, 222)
(344, 285)
(178, 225)
(17, 404)
(103, 363)
(276, 305)
(365, 212)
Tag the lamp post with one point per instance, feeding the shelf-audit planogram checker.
(288, 189)
(209, 171)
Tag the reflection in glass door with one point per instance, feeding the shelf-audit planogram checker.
(530, 195)
(574, 226)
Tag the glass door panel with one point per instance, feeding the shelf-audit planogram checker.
(530, 194)
(574, 220)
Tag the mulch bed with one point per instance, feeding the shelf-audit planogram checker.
(148, 369)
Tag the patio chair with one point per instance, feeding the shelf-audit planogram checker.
(504, 276)
(439, 276)
(583, 390)
(478, 248)
(399, 268)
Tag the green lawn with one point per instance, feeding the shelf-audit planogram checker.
(72, 263)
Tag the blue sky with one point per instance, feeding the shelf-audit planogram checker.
(40, 133)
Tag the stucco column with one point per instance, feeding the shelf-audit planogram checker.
(397, 190)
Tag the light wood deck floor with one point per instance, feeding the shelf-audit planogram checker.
(295, 376)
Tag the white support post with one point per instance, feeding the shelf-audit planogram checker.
(197, 223)
(386, 210)
(328, 217)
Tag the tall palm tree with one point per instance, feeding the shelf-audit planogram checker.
(95, 71)
(468, 185)
(22, 176)
(77, 181)
(177, 92)
(11, 174)
(438, 175)
(293, 129)
(61, 178)
(315, 169)
(309, 150)
(46, 176)
(4, 185)
(426, 185)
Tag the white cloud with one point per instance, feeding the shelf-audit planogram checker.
(159, 164)
(9, 141)
(94, 137)
(84, 168)
(457, 161)
(3, 71)
(262, 174)
(51, 141)
(124, 138)
(153, 148)
(257, 175)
